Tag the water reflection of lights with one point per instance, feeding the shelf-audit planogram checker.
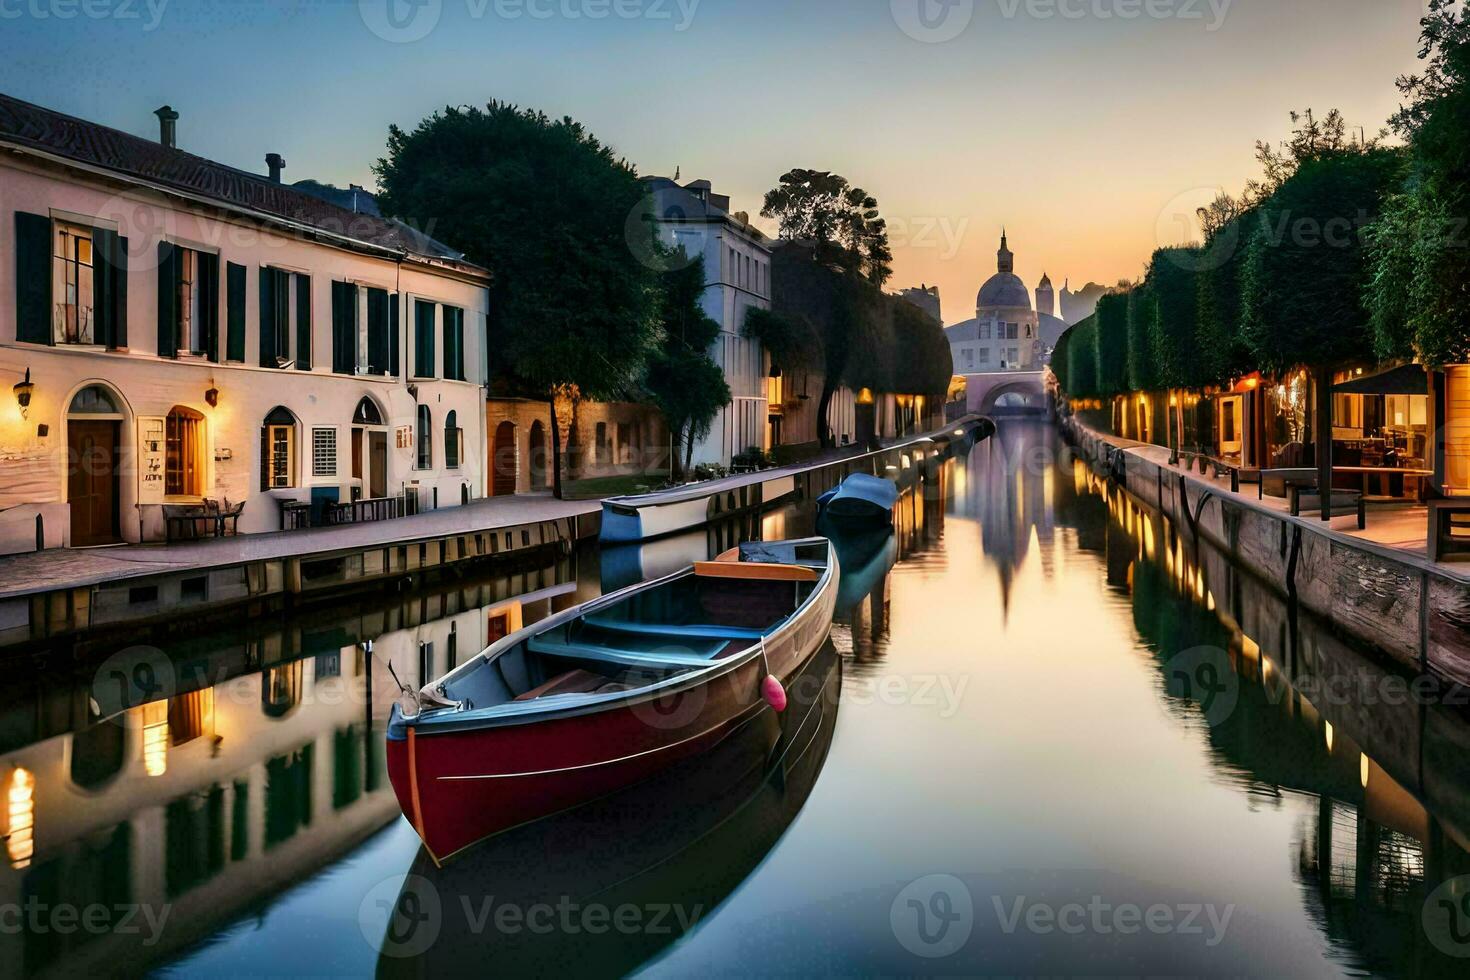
(155, 738)
(20, 840)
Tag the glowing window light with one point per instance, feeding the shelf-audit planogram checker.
(20, 841)
(155, 738)
(1363, 769)
(1328, 725)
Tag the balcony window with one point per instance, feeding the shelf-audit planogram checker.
(278, 450)
(425, 454)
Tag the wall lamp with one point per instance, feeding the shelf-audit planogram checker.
(23, 391)
(211, 397)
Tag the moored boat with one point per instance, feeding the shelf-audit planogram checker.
(608, 693)
(860, 501)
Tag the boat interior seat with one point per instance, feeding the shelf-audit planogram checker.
(560, 647)
(576, 681)
(756, 571)
(711, 631)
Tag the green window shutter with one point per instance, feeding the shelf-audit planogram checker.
(423, 348)
(267, 317)
(485, 351)
(339, 310)
(377, 311)
(104, 280)
(449, 366)
(344, 328)
(235, 313)
(303, 323)
(265, 455)
(120, 293)
(208, 285)
(168, 300)
(32, 278)
(393, 331)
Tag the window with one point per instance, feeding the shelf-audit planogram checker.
(453, 441)
(985, 330)
(379, 342)
(183, 473)
(423, 339)
(600, 452)
(425, 439)
(454, 343)
(345, 321)
(323, 452)
(73, 286)
(278, 450)
(985, 355)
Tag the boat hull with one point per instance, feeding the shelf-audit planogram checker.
(458, 787)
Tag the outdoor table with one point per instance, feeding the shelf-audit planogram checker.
(1385, 473)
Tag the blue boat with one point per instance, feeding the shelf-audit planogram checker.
(859, 501)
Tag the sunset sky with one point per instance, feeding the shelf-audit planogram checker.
(1084, 134)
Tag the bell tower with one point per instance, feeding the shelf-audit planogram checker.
(1004, 260)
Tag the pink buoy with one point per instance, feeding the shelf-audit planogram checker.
(774, 693)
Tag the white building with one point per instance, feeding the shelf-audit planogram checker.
(178, 330)
(1006, 333)
(737, 269)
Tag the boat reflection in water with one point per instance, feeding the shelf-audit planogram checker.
(601, 889)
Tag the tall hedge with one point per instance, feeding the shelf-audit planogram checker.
(1082, 359)
(1302, 285)
(1143, 373)
(1221, 346)
(1172, 326)
(1111, 343)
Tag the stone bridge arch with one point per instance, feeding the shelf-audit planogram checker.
(1006, 393)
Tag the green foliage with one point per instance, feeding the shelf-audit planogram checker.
(865, 338)
(1143, 373)
(1060, 366)
(1082, 359)
(543, 205)
(1305, 270)
(1171, 280)
(1221, 348)
(686, 385)
(1111, 319)
(1418, 294)
(840, 220)
(793, 342)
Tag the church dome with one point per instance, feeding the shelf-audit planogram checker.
(1003, 289)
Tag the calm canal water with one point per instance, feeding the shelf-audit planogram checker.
(1049, 736)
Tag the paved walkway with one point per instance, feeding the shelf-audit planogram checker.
(69, 568)
(1401, 531)
(66, 568)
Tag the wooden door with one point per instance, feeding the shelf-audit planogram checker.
(503, 461)
(377, 464)
(92, 481)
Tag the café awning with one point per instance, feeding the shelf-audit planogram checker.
(1407, 380)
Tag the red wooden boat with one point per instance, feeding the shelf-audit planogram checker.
(608, 693)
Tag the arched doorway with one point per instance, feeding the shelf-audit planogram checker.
(93, 487)
(538, 455)
(370, 449)
(503, 460)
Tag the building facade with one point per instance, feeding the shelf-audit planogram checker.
(925, 298)
(184, 331)
(1003, 336)
(737, 268)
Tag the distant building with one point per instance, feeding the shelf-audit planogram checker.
(1078, 306)
(1004, 335)
(925, 298)
(737, 268)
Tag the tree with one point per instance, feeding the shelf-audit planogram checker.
(1220, 347)
(841, 221)
(544, 206)
(1172, 325)
(1143, 372)
(685, 384)
(1418, 295)
(1304, 272)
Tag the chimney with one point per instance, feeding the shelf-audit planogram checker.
(276, 163)
(167, 125)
